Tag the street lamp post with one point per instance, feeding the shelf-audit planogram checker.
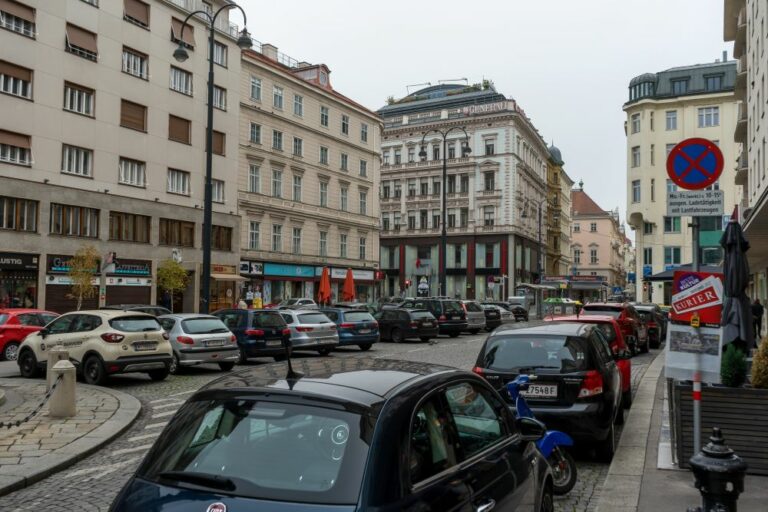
(539, 266)
(465, 150)
(180, 54)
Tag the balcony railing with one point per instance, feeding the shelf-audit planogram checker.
(740, 134)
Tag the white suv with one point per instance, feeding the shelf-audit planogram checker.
(101, 343)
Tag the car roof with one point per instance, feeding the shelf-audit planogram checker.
(365, 381)
(18, 311)
(587, 319)
(612, 304)
(184, 316)
(556, 328)
(646, 307)
(109, 313)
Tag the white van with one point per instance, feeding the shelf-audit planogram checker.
(523, 300)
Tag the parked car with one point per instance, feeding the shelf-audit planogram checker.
(296, 304)
(507, 317)
(259, 332)
(101, 343)
(475, 316)
(523, 300)
(451, 318)
(17, 324)
(577, 387)
(199, 339)
(520, 313)
(655, 321)
(493, 316)
(311, 330)
(622, 354)
(355, 326)
(141, 308)
(632, 326)
(374, 435)
(398, 325)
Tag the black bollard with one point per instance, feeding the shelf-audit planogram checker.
(719, 475)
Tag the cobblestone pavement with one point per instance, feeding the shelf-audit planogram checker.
(91, 484)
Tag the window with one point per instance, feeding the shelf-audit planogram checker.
(423, 187)
(647, 228)
(181, 81)
(298, 146)
(178, 182)
(713, 83)
(277, 183)
(411, 187)
(255, 133)
(324, 116)
(78, 161)
(411, 154)
(363, 132)
(635, 123)
(342, 245)
(488, 216)
(323, 245)
(451, 217)
(15, 80)
(362, 251)
(344, 198)
(710, 223)
(648, 256)
(363, 202)
(385, 222)
(323, 155)
(593, 227)
(671, 255)
(220, 53)
(464, 183)
(69, 220)
(324, 193)
(277, 237)
(435, 152)
(671, 120)
(254, 233)
(217, 191)
(298, 105)
(344, 162)
(451, 185)
(636, 191)
(219, 143)
(463, 217)
(221, 238)
(577, 256)
(179, 129)
(653, 160)
(255, 88)
(15, 148)
(136, 12)
(135, 63)
(436, 216)
(473, 410)
(423, 219)
(398, 189)
(254, 179)
(653, 188)
(129, 227)
(669, 148)
(297, 187)
(363, 168)
(18, 18)
(133, 116)
(593, 256)
(680, 86)
(385, 157)
(78, 99)
(411, 220)
(636, 156)
(432, 449)
(576, 227)
(296, 241)
(451, 150)
(81, 42)
(277, 97)
(177, 232)
(277, 140)
(489, 182)
(185, 37)
(709, 116)
(132, 172)
(671, 187)
(345, 124)
(18, 214)
(671, 224)
(385, 188)
(398, 156)
(219, 97)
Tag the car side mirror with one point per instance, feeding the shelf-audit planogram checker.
(530, 429)
(43, 333)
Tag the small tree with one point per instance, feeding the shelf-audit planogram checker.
(171, 277)
(82, 269)
(760, 366)
(733, 369)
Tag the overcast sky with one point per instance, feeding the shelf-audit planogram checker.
(567, 62)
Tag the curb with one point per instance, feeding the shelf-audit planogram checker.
(2, 397)
(121, 420)
(621, 489)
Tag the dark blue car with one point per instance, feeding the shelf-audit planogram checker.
(344, 435)
(259, 332)
(355, 327)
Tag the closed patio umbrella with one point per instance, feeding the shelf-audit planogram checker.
(324, 290)
(737, 313)
(348, 291)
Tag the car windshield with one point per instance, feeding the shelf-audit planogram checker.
(452, 306)
(265, 319)
(473, 307)
(3, 318)
(203, 326)
(135, 324)
(289, 302)
(313, 318)
(47, 317)
(263, 449)
(609, 331)
(357, 317)
(421, 315)
(613, 313)
(523, 353)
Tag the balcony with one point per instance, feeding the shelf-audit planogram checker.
(740, 135)
(740, 43)
(490, 194)
(742, 168)
(741, 79)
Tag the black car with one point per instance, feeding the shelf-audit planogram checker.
(141, 308)
(492, 317)
(578, 386)
(344, 435)
(259, 332)
(521, 314)
(451, 317)
(400, 324)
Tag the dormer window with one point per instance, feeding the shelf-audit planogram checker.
(680, 86)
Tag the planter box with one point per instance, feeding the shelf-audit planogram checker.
(741, 413)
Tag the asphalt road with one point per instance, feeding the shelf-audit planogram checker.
(91, 484)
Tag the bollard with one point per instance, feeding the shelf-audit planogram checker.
(62, 404)
(55, 354)
(719, 475)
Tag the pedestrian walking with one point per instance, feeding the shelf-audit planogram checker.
(757, 316)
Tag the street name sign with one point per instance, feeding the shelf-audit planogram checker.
(695, 203)
(695, 163)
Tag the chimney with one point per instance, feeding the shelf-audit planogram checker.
(269, 51)
(303, 64)
(725, 55)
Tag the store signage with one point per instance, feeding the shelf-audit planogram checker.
(486, 108)
(132, 268)
(17, 261)
(698, 293)
(589, 279)
(66, 280)
(223, 269)
(279, 269)
(128, 281)
(60, 265)
(251, 268)
(341, 273)
(695, 203)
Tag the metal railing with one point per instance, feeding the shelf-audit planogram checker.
(48, 394)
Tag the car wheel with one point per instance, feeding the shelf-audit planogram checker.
(425, 339)
(324, 351)
(365, 346)
(243, 358)
(626, 399)
(547, 500)
(397, 336)
(175, 367)
(158, 375)
(28, 365)
(474, 331)
(278, 358)
(563, 471)
(94, 372)
(607, 447)
(225, 367)
(454, 334)
(11, 351)
(619, 416)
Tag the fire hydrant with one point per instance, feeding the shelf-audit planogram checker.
(719, 475)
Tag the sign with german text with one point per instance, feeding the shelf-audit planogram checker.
(695, 203)
(697, 293)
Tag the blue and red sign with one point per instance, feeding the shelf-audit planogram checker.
(695, 163)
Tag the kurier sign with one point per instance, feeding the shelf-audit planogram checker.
(695, 163)
(699, 293)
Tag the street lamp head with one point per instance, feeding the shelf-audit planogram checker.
(180, 54)
(465, 150)
(244, 41)
(423, 153)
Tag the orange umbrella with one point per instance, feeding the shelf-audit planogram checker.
(348, 292)
(324, 290)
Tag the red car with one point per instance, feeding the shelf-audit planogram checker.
(611, 329)
(16, 324)
(633, 327)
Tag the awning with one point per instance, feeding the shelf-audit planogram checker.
(669, 275)
(189, 32)
(18, 10)
(756, 232)
(537, 286)
(81, 38)
(228, 277)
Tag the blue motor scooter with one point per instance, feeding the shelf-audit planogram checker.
(562, 463)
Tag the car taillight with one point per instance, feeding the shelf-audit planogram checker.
(375, 325)
(286, 332)
(592, 385)
(478, 370)
(165, 336)
(442, 318)
(414, 324)
(233, 339)
(302, 328)
(254, 332)
(347, 325)
(332, 327)
(185, 340)
(112, 337)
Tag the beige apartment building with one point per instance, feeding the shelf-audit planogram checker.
(559, 186)
(308, 180)
(745, 24)
(102, 142)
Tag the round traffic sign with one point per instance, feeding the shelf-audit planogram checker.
(695, 163)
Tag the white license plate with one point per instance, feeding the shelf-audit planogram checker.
(427, 324)
(214, 343)
(140, 347)
(274, 343)
(540, 391)
(364, 331)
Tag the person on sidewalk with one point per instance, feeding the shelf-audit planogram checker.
(757, 315)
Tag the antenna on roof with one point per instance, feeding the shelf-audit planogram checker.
(465, 80)
(292, 376)
(408, 87)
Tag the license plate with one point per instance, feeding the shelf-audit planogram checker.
(427, 324)
(149, 345)
(364, 331)
(541, 391)
(274, 343)
(214, 343)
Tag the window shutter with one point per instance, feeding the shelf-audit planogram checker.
(8, 69)
(81, 38)
(178, 129)
(189, 32)
(137, 10)
(219, 140)
(17, 9)
(133, 115)
(15, 139)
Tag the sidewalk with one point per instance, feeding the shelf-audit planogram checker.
(634, 482)
(44, 445)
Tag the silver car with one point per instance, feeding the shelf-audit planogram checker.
(475, 316)
(311, 330)
(198, 339)
(507, 317)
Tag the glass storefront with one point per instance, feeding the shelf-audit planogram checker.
(18, 280)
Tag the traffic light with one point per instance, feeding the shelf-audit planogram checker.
(645, 287)
(407, 283)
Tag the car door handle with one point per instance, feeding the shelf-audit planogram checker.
(486, 507)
